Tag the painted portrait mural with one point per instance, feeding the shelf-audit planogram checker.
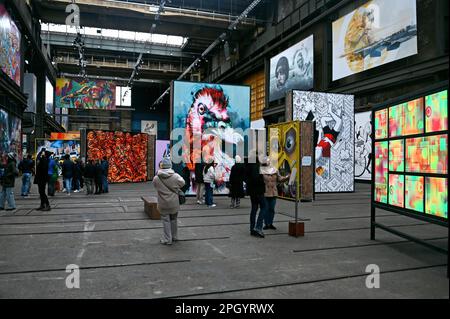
(10, 135)
(10, 37)
(219, 114)
(334, 137)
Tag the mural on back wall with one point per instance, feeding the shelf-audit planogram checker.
(85, 94)
(59, 148)
(224, 110)
(10, 55)
(363, 146)
(334, 137)
(10, 135)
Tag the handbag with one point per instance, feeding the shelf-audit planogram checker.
(181, 195)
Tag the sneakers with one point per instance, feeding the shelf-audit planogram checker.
(163, 242)
(211, 206)
(46, 209)
(199, 202)
(257, 233)
(269, 227)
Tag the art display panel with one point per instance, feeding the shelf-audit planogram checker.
(427, 154)
(10, 135)
(334, 137)
(406, 118)
(377, 33)
(396, 190)
(218, 113)
(85, 94)
(436, 112)
(381, 118)
(292, 69)
(436, 196)
(126, 154)
(162, 150)
(414, 192)
(381, 171)
(60, 148)
(10, 40)
(363, 146)
(396, 156)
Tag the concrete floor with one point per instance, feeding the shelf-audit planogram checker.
(117, 249)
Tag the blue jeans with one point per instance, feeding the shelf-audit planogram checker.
(105, 183)
(7, 194)
(68, 184)
(208, 194)
(26, 183)
(257, 202)
(270, 210)
(51, 186)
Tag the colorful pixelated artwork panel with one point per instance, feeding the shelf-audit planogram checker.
(414, 193)
(436, 112)
(396, 116)
(436, 196)
(396, 190)
(396, 156)
(406, 118)
(427, 154)
(381, 171)
(381, 124)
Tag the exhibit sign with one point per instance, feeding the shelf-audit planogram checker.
(363, 146)
(126, 154)
(334, 138)
(162, 150)
(411, 155)
(85, 94)
(220, 116)
(292, 69)
(10, 54)
(149, 127)
(377, 33)
(60, 148)
(10, 135)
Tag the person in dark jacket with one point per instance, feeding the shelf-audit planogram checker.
(41, 179)
(26, 167)
(52, 175)
(89, 176)
(67, 172)
(186, 175)
(8, 180)
(255, 189)
(98, 178)
(199, 182)
(236, 182)
(76, 176)
(105, 171)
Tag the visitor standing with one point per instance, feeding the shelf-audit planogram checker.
(7, 182)
(255, 189)
(98, 178)
(26, 167)
(52, 175)
(237, 182)
(76, 175)
(167, 184)
(105, 171)
(41, 179)
(199, 183)
(89, 176)
(67, 172)
(209, 178)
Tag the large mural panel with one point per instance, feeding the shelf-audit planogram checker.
(363, 146)
(215, 112)
(59, 148)
(85, 94)
(10, 135)
(379, 32)
(126, 154)
(10, 37)
(334, 137)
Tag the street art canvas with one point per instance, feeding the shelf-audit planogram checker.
(414, 192)
(334, 137)
(162, 150)
(377, 33)
(59, 148)
(126, 154)
(381, 171)
(427, 154)
(381, 118)
(85, 94)
(436, 112)
(406, 118)
(292, 69)
(363, 146)
(10, 55)
(396, 156)
(396, 189)
(436, 198)
(10, 135)
(220, 114)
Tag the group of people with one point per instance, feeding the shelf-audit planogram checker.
(260, 179)
(46, 172)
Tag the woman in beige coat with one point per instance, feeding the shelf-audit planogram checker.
(168, 184)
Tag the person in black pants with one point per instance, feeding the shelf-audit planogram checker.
(98, 178)
(255, 189)
(41, 179)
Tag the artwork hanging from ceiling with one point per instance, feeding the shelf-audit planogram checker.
(10, 54)
(10, 135)
(126, 154)
(377, 33)
(334, 137)
(292, 69)
(218, 113)
(85, 94)
(363, 146)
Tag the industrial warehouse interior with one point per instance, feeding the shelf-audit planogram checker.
(240, 150)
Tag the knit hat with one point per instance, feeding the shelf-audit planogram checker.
(166, 163)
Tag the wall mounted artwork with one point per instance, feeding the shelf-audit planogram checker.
(162, 150)
(10, 135)
(363, 146)
(59, 148)
(10, 54)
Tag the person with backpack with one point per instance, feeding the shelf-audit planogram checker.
(168, 185)
(7, 182)
(52, 175)
(26, 167)
(41, 179)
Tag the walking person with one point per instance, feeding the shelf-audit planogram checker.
(209, 178)
(199, 183)
(237, 175)
(67, 172)
(76, 176)
(255, 189)
(52, 175)
(105, 171)
(98, 178)
(41, 179)
(272, 178)
(7, 182)
(168, 184)
(26, 167)
(89, 176)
